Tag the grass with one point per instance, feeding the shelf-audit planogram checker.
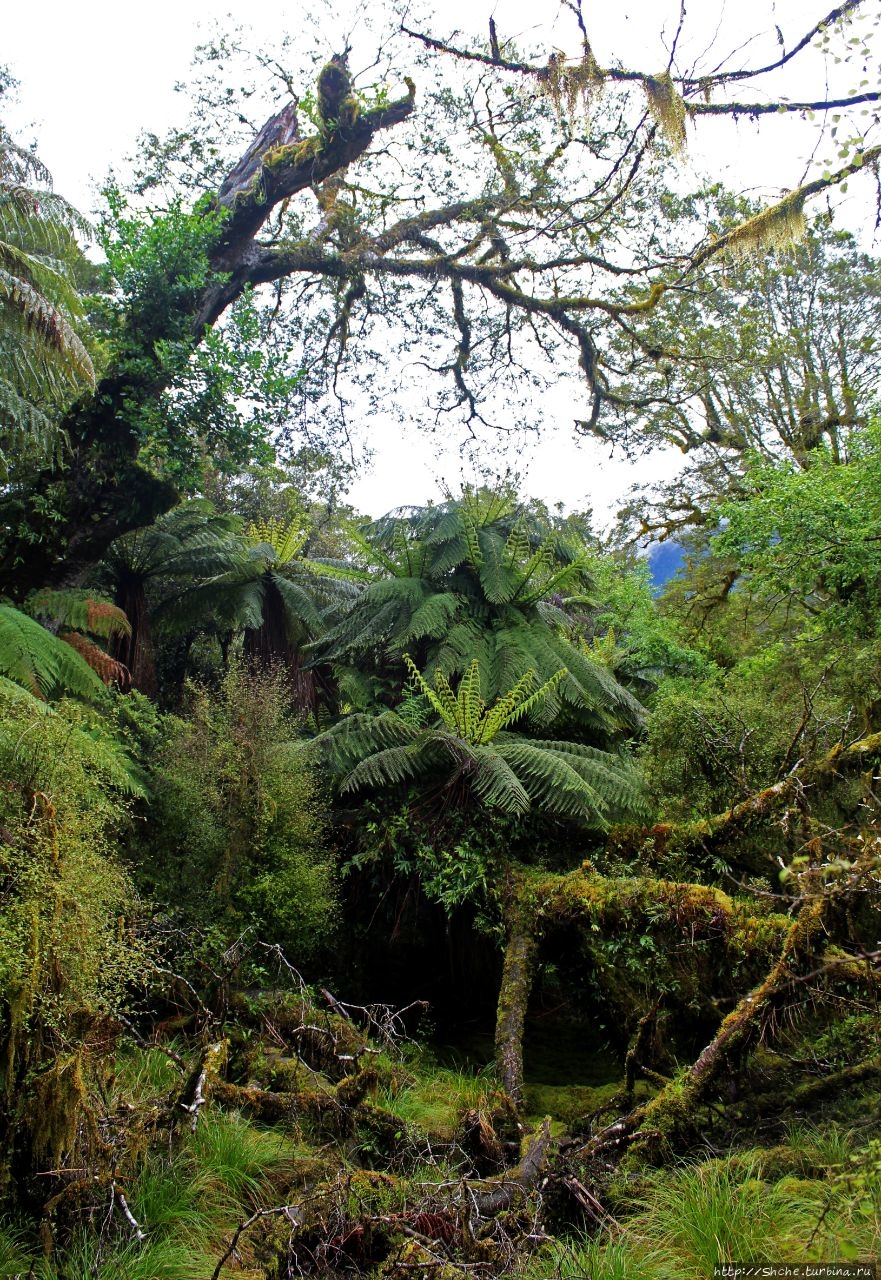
(93, 1258)
(142, 1074)
(13, 1255)
(435, 1100)
(238, 1163)
(720, 1211)
(822, 1146)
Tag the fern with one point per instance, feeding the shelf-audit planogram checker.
(39, 662)
(79, 611)
(471, 579)
(284, 539)
(471, 744)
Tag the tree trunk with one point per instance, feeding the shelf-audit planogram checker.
(517, 975)
(136, 651)
(102, 491)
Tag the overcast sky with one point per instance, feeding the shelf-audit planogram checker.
(93, 73)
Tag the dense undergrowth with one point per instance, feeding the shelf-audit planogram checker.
(249, 1016)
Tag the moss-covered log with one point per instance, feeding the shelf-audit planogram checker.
(671, 1118)
(497, 1194)
(720, 833)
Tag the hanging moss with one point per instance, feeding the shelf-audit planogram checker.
(58, 1104)
(667, 108)
(570, 84)
(778, 227)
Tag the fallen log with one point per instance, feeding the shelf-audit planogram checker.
(669, 1119)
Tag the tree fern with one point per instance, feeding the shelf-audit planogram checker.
(30, 656)
(481, 578)
(43, 360)
(79, 610)
(454, 743)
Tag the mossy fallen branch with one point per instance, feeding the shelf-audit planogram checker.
(719, 832)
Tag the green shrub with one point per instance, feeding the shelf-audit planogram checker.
(236, 828)
(69, 953)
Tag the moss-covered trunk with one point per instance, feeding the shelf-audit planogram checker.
(517, 975)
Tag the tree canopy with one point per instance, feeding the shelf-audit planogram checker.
(537, 241)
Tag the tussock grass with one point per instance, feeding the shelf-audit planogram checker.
(435, 1100)
(721, 1211)
(236, 1163)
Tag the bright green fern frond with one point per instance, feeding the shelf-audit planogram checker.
(470, 707)
(32, 657)
(284, 537)
(441, 696)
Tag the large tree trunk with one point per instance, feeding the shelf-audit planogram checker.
(101, 491)
(136, 651)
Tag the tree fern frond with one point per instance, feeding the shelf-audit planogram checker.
(336, 569)
(432, 618)
(46, 323)
(495, 782)
(108, 670)
(515, 705)
(298, 603)
(79, 610)
(28, 425)
(38, 661)
(391, 767)
(472, 722)
(283, 537)
(441, 697)
(554, 783)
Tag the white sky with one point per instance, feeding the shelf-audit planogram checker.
(93, 73)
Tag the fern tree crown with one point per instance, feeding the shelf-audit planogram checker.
(463, 748)
(480, 578)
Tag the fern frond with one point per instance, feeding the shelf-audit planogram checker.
(298, 603)
(432, 618)
(441, 697)
(495, 783)
(391, 767)
(79, 610)
(284, 538)
(108, 670)
(470, 707)
(38, 661)
(554, 783)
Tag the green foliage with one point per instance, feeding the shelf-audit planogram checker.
(43, 360)
(809, 533)
(225, 396)
(69, 956)
(159, 263)
(481, 577)
(501, 770)
(226, 402)
(236, 830)
(39, 662)
(719, 1211)
(466, 714)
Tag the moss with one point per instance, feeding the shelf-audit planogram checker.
(293, 153)
(568, 1105)
(414, 1259)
